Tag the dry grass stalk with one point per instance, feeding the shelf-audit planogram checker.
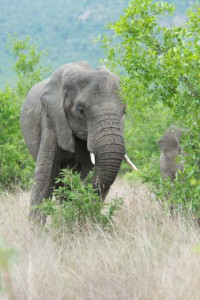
(148, 255)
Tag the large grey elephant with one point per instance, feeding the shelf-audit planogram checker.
(74, 119)
(170, 150)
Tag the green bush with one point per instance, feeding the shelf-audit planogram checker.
(76, 203)
(161, 69)
(16, 165)
(142, 132)
(27, 64)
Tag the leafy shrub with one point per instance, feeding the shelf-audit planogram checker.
(161, 67)
(16, 165)
(27, 65)
(15, 162)
(76, 203)
(142, 131)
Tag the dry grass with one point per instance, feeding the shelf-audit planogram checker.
(148, 255)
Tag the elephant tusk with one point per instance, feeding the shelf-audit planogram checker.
(129, 162)
(92, 157)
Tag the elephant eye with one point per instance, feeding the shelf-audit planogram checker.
(124, 109)
(80, 109)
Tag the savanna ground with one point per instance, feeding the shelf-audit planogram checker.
(146, 255)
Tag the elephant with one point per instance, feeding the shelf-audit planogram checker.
(74, 119)
(170, 150)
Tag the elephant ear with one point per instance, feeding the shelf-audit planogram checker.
(52, 101)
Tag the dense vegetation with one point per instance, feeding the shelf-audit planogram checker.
(74, 203)
(63, 28)
(161, 85)
(16, 165)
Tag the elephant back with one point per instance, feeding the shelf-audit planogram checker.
(30, 118)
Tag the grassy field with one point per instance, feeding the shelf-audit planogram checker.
(146, 255)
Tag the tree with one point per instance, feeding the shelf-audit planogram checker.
(161, 68)
(16, 165)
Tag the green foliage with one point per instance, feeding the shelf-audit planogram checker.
(161, 86)
(76, 203)
(10, 148)
(16, 165)
(142, 131)
(27, 64)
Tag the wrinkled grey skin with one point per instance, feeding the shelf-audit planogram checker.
(64, 118)
(170, 149)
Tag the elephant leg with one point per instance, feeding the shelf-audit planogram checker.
(47, 168)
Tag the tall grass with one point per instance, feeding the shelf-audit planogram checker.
(146, 255)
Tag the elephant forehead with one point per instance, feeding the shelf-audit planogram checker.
(105, 82)
(76, 80)
(98, 103)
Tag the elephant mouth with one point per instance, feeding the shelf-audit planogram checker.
(81, 134)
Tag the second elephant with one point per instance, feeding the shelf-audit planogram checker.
(170, 150)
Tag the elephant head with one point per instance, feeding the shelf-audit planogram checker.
(170, 150)
(76, 105)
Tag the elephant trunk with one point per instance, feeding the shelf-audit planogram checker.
(109, 153)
